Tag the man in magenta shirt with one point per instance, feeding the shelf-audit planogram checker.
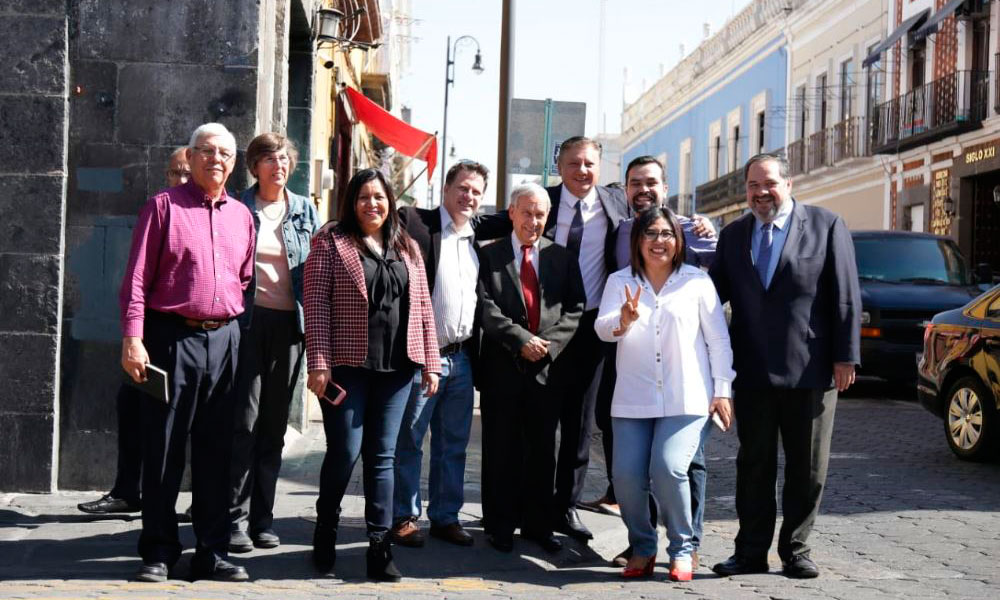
(192, 257)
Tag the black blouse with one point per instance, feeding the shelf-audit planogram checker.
(387, 283)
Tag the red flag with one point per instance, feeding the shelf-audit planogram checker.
(394, 132)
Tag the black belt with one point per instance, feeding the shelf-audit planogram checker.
(205, 325)
(451, 349)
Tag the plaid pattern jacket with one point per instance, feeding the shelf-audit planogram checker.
(336, 306)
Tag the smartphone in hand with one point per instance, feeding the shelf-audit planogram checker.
(334, 394)
(718, 422)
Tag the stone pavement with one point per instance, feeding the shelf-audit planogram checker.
(902, 518)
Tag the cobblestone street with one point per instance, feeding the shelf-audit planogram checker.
(902, 518)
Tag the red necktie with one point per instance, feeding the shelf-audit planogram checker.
(529, 287)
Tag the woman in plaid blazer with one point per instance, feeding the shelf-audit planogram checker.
(369, 326)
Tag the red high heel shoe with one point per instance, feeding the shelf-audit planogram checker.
(646, 571)
(680, 571)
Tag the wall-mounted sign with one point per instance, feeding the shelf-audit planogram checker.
(940, 200)
(981, 152)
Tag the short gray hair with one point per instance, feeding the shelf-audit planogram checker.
(529, 189)
(209, 130)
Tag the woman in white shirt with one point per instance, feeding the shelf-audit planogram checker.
(674, 371)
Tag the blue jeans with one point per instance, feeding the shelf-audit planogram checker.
(365, 424)
(654, 455)
(449, 415)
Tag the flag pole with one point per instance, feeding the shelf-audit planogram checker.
(412, 181)
(423, 147)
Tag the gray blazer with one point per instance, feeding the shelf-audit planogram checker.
(790, 334)
(504, 320)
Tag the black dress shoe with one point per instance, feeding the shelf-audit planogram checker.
(504, 542)
(108, 504)
(266, 539)
(571, 525)
(152, 572)
(547, 541)
(222, 570)
(240, 542)
(800, 566)
(739, 565)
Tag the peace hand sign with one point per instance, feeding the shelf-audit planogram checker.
(630, 310)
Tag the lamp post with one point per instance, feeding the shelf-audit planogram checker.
(449, 80)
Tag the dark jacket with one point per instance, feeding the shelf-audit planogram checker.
(504, 320)
(615, 209)
(790, 334)
(301, 222)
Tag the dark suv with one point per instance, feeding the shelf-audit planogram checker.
(906, 278)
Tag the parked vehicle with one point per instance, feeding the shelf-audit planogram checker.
(959, 375)
(906, 278)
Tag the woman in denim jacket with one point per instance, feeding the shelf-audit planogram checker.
(273, 339)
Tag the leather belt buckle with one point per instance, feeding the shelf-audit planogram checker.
(450, 349)
(211, 325)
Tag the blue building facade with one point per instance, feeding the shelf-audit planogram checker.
(756, 86)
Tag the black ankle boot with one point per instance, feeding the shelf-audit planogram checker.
(380, 565)
(324, 546)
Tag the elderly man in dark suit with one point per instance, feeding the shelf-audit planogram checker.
(531, 297)
(788, 271)
(584, 219)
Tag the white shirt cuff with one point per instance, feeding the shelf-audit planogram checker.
(723, 388)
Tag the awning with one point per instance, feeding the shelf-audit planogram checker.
(904, 28)
(931, 26)
(394, 132)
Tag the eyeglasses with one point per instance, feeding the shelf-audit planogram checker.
(276, 160)
(208, 153)
(652, 235)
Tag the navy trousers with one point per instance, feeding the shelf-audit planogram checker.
(201, 369)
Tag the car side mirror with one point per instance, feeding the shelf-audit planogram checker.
(984, 273)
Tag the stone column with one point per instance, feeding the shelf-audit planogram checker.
(33, 122)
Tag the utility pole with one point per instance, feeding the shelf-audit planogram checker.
(506, 77)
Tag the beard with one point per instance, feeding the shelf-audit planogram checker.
(643, 201)
(766, 211)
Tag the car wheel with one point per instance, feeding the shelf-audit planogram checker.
(970, 420)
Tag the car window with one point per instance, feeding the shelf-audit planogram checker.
(906, 259)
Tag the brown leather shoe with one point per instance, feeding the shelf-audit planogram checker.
(603, 505)
(453, 533)
(407, 533)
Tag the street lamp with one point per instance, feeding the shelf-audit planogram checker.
(449, 80)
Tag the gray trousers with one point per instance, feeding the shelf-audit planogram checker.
(270, 360)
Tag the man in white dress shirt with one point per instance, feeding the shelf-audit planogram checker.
(584, 219)
(445, 236)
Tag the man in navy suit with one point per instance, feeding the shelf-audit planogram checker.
(584, 219)
(788, 271)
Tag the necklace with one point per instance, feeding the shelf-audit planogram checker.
(272, 211)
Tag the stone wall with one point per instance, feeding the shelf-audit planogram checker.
(143, 75)
(32, 206)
